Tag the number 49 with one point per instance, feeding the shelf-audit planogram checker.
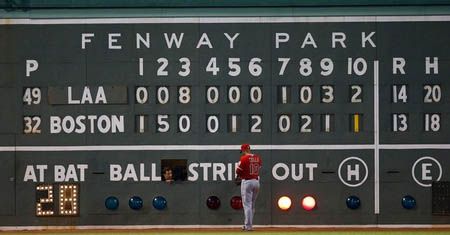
(32, 96)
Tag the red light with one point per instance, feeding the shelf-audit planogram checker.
(308, 203)
(236, 202)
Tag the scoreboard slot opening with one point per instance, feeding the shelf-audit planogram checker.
(173, 170)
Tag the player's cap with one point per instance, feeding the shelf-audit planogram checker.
(245, 147)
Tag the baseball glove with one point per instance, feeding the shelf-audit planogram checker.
(238, 180)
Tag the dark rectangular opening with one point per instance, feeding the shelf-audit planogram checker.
(441, 198)
(177, 167)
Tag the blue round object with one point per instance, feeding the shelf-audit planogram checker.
(353, 202)
(135, 203)
(213, 202)
(408, 202)
(112, 203)
(159, 203)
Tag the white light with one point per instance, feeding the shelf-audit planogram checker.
(284, 203)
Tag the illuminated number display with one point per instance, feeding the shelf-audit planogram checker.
(57, 200)
(44, 200)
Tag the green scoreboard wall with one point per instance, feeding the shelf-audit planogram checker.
(339, 108)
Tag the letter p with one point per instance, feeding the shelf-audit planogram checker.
(31, 66)
(281, 37)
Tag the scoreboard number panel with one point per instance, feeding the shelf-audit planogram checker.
(332, 106)
(238, 83)
(57, 200)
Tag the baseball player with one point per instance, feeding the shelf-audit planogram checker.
(248, 171)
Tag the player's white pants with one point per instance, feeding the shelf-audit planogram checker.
(249, 192)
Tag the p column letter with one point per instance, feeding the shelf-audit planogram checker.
(31, 66)
(280, 38)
